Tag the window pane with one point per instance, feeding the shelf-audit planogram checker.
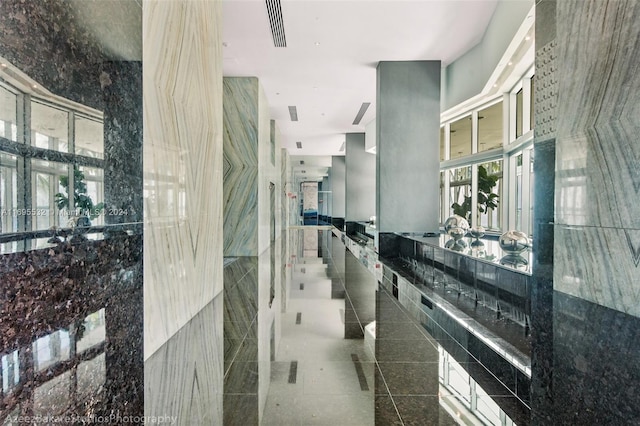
(441, 143)
(531, 197)
(49, 127)
(519, 191)
(92, 185)
(49, 181)
(8, 101)
(440, 209)
(490, 127)
(89, 137)
(460, 191)
(490, 194)
(519, 113)
(531, 103)
(460, 133)
(8, 193)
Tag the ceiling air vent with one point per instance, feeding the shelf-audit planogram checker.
(293, 112)
(301, 162)
(342, 147)
(299, 145)
(274, 10)
(361, 113)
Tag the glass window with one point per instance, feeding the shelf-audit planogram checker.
(51, 349)
(460, 138)
(531, 186)
(49, 127)
(10, 371)
(531, 115)
(519, 113)
(91, 332)
(90, 183)
(8, 192)
(89, 137)
(442, 143)
(440, 209)
(490, 194)
(460, 191)
(490, 127)
(8, 114)
(49, 193)
(519, 194)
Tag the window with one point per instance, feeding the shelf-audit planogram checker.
(490, 125)
(460, 190)
(489, 195)
(442, 142)
(8, 192)
(89, 137)
(519, 113)
(49, 127)
(503, 159)
(8, 114)
(460, 138)
(34, 190)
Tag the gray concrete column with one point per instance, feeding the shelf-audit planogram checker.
(407, 131)
(360, 180)
(337, 186)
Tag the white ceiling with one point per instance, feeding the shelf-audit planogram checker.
(328, 68)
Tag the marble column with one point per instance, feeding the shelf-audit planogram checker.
(596, 302)
(407, 138)
(252, 196)
(360, 180)
(183, 258)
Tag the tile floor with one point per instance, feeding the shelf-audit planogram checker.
(328, 388)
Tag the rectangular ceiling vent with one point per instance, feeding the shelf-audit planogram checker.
(363, 110)
(342, 147)
(299, 145)
(301, 162)
(274, 9)
(293, 112)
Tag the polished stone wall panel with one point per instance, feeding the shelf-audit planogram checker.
(188, 371)
(241, 156)
(597, 354)
(598, 110)
(182, 82)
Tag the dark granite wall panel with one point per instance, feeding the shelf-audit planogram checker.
(123, 141)
(88, 294)
(596, 364)
(44, 41)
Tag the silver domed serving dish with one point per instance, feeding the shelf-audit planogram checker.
(514, 242)
(456, 226)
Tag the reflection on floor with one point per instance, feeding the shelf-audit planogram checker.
(398, 374)
(318, 377)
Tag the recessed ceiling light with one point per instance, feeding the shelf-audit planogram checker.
(510, 63)
(35, 86)
(527, 38)
(322, 114)
(361, 112)
(495, 85)
(277, 93)
(4, 65)
(225, 44)
(317, 43)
